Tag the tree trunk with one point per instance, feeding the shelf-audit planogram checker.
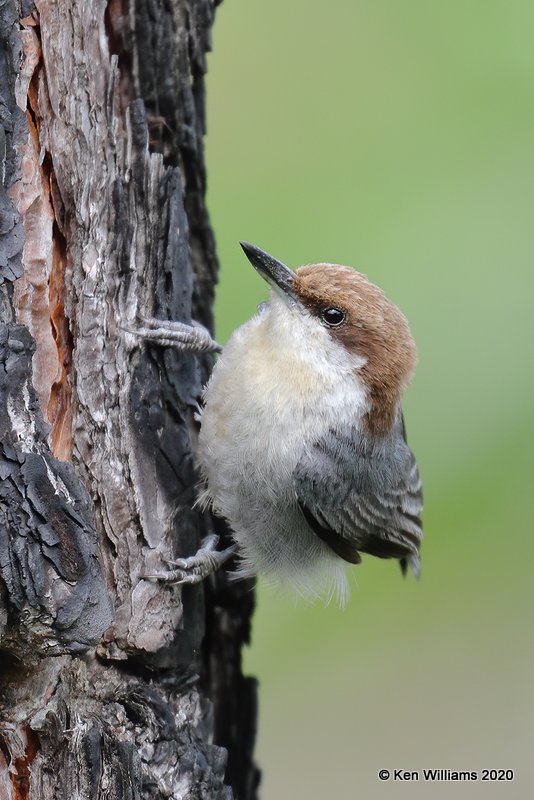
(111, 685)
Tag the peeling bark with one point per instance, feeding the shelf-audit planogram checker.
(110, 684)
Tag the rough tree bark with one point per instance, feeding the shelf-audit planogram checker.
(111, 685)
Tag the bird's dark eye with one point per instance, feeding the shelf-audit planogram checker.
(333, 316)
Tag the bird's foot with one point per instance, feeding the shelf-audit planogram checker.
(194, 337)
(194, 569)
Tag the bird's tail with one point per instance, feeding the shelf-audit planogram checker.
(413, 562)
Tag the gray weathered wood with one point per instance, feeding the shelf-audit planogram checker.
(110, 684)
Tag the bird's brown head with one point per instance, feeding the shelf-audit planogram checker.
(359, 317)
(358, 314)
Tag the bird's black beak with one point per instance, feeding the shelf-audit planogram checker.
(278, 276)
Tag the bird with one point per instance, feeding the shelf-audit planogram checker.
(302, 445)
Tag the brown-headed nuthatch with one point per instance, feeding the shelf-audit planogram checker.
(302, 447)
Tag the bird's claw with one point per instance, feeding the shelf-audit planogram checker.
(194, 569)
(169, 333)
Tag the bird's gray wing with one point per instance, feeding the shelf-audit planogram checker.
(363, 495)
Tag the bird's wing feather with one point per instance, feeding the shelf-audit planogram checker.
(359, 495)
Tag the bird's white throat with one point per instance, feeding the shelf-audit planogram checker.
(285, 360)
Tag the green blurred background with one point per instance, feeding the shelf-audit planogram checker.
(398, 137)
